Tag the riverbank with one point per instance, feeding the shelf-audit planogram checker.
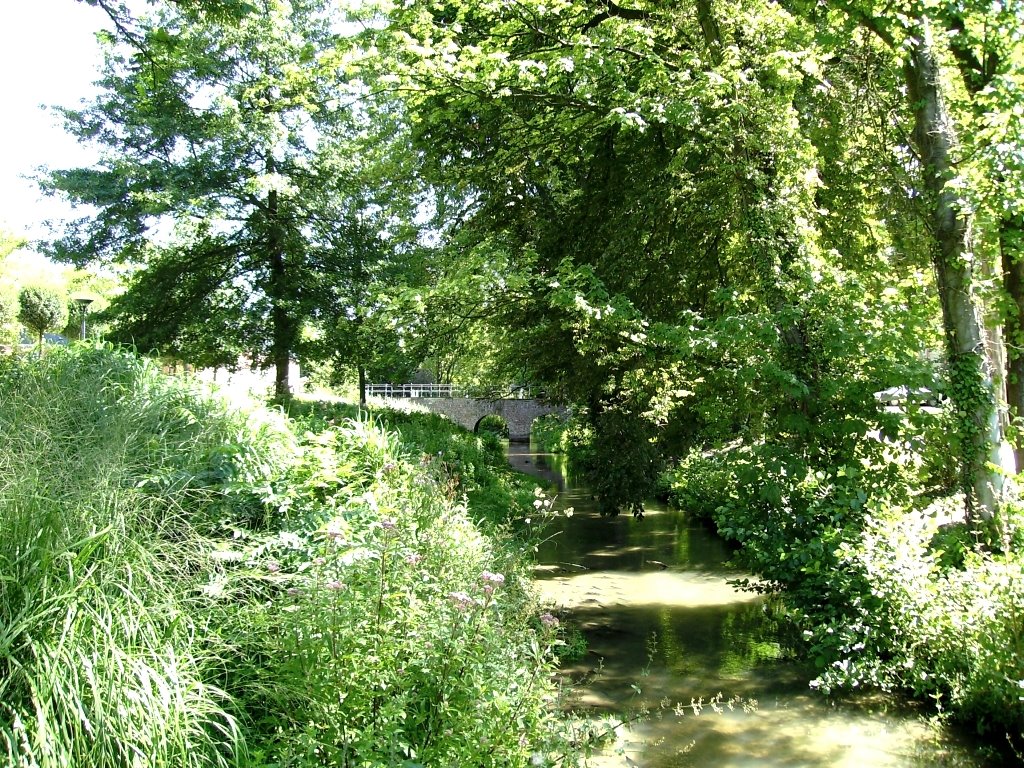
(192, 584)
(885, 591)
(704, 673)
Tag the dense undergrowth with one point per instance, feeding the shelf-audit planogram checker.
(887, 590)
(886, 586)
(187, 584)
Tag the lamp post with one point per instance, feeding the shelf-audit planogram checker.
(83, 304)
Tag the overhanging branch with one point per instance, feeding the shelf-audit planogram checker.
(614, 10)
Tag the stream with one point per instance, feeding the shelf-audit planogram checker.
(667, 633)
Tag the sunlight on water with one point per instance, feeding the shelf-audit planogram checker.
(603, 589)
(668, 635)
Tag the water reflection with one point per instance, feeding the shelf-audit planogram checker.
(666, 630)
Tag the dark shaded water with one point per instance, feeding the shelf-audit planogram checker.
(666, 631)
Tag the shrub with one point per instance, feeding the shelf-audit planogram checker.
(41, 310)
(549, 433)
(883, 598)
(400, 631)
(700, 483)
(951, 635)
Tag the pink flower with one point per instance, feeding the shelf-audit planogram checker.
(548, 620)
(334, 585)
(461, 601)
(273, 566)
(492, 579)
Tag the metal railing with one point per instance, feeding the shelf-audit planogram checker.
(414, 390)
(443, 390)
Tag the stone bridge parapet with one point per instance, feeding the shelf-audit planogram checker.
(519, 414)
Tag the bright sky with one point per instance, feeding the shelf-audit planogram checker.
(48, 56)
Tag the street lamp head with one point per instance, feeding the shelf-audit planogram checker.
(83, 303)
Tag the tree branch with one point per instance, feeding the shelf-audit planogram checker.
(613, 10)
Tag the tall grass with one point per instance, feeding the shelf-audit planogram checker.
(182, 584)
(101, 661)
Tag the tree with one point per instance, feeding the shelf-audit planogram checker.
(214, 128)
(977, 361)
(41, 310)
(645, 193)
(668, 164)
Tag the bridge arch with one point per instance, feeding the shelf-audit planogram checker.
(518, 413)
(495, 423)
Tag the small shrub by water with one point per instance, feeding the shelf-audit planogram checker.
(883, 598)
(186, 584)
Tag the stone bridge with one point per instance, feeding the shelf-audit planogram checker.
(518, 413)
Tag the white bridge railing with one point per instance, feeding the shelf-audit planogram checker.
(441, 390)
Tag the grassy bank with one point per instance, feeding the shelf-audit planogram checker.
(187, 584)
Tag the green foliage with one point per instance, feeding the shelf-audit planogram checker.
(622, 465)
(700, 483)
(420, 651)
(494, 425)
(8, 294)
(8, 316)
(236, 144)
(187, 584)
(882, 596)
(41, 310)
(474, 464)
(949, 634)
(550, 433)
(105, 653)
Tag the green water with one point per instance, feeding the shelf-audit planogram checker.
(667, 631)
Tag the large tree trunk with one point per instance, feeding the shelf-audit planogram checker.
(281, 320)
(1011, 238)
(970, 369)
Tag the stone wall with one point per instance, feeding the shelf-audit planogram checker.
(518, 414)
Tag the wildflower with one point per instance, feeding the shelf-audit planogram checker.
(389, 523)
(495, 579)
(413, 558)
(334, 586)
(293, 591)
(548, 620)
(334, 532)
(319, 561)
(273, 566)
(569, 511)
(461, 600)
